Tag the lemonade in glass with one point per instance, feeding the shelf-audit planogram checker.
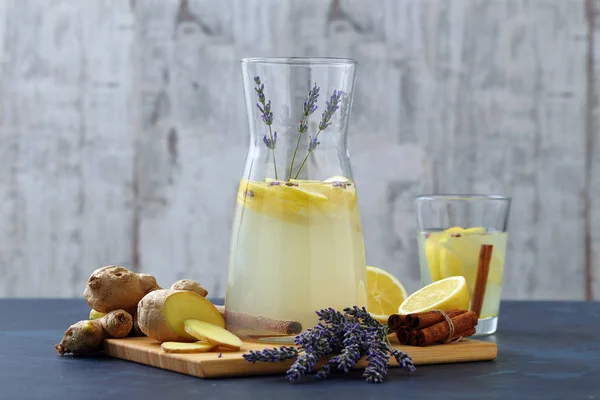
(455, 251)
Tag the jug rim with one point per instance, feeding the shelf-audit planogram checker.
(307, 61)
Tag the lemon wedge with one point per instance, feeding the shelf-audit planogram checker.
(445, 294)
(385, 293)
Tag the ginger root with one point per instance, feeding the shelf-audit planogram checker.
(161, 314)
(210, 333)
(189, 285)
(96, 314)
(86, 337)
(112, 288)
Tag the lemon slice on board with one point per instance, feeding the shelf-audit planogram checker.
(385, 293)
(445, 294)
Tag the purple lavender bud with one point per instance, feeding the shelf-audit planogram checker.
(274, 183)
(303, 126)
(312, 144)
(331, 107)
(257, 80)
(270, 142)
(267, 118)
(309, 107)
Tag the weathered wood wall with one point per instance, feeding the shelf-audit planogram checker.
(123, 131)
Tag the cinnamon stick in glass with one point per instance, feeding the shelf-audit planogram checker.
(441, 330)
(483, 269)
(425, 319)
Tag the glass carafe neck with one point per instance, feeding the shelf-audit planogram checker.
(298, 111)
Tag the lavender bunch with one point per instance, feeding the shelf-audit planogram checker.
(267, 116)
(331, 107)
(345, 337)
(309, 107)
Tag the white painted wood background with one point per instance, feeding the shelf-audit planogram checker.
(123, 131)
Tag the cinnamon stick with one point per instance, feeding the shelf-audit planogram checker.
(441, 330)
(238, 321)
(468, 332)
(412, 338)
(403, 335)
(425, 319)
(396, 321)
(483, 269)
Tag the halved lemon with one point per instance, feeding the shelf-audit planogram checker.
(445, 294)
(385, 293)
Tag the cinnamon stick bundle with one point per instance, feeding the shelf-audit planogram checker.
(441, 331)
(426, 328)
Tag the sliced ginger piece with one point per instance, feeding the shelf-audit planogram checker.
(161, 314)
(213, 334)
(183, 347)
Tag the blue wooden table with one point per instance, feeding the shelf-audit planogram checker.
(546, 350)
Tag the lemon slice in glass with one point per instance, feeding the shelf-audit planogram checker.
(337, 178)
(445, 294)
(385, 293)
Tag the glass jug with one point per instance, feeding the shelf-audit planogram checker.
(296, 243)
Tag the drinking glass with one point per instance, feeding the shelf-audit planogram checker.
(451, 232)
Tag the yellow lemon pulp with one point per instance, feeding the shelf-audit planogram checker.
(445, 294)
(296, 201)
(385, 293)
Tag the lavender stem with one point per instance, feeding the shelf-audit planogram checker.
(273, 151)
(309, 107)
(267, 117)
(306, 156)
(294, 158)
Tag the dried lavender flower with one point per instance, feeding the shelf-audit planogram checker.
(345, 337)
(309, 107)
(264, 107)
(323, 372)
(270, 142)
(271, 355)
(331, 107)
(312, 143)
(404, 360)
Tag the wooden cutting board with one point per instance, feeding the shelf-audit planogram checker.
(147, 351)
